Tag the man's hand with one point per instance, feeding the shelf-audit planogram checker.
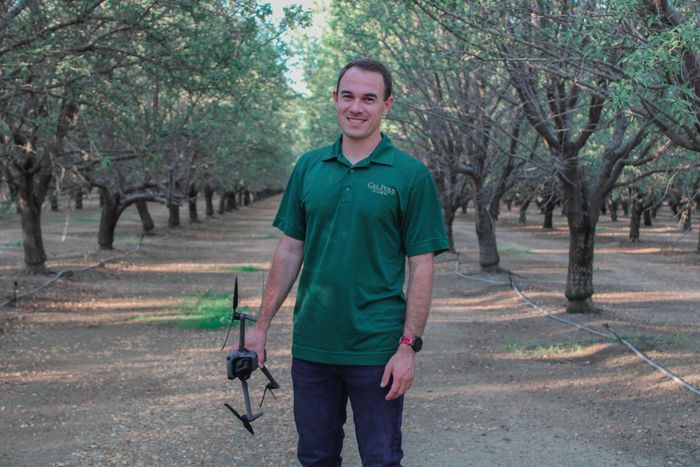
(255, 340)
(401, 370)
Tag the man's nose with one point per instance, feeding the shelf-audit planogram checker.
(355, 106)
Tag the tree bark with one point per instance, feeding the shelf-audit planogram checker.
(231, 203)
(31, 191)
(449, 215)
(147, 224)
(697, 206)
(579, 279)
(548, 214)
(173, 215)
(486, 235)
(109, 216)
(113, 205)
(79, 199)
(222, 202)
(209, 200)
(522, 217)
(686, 220)
(53, 200)
(192, 204)
(30, 214)
(635, 220)
(647, 217)
(613, 205)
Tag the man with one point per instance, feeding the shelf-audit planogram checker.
(351, 213)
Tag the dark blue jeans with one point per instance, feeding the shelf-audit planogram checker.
(321, 394)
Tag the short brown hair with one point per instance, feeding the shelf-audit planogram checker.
(369, 64)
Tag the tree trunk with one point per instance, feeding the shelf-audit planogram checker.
(209, 200)
(79, 199)
(192, 204)
(31, 195)
(635, 220)
(109, 216)
(647, 217)
(53, 200)
(231, 203)
(613, 210)
(14, 196)
(246, 198)
(449, 215)
(625, 208)
(30, 214)
(465, 206)
(147, 224)
(222, 202)
(486, 234)
(579, 278)
(522, 217)
(697, 207)
(173, 215)
(686, 219)
(548, 214)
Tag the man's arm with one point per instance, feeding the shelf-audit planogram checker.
(401, 366)
(286, 263)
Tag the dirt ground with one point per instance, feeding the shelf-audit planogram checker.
(90, 375)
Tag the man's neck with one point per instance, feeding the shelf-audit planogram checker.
(356, 150)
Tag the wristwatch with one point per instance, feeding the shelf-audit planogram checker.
(416, 342)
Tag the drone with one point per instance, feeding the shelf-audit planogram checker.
(241, 363)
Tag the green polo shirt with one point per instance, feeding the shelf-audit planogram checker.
(358, 224)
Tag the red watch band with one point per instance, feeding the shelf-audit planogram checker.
(406, 340)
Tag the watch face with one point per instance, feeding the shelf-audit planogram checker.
(417, 343)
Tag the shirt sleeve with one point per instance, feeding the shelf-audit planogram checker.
(290, 217)
(423, 227)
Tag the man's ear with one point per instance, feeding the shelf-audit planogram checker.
(387, 104)
(335, 96)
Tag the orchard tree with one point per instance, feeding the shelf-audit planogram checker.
(115, 92)
(562, 59)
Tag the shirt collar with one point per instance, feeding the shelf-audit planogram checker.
(383, 154)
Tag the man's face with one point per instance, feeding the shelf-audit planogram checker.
(360, 104)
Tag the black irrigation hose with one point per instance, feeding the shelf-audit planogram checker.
(610, 334)
(63, 272)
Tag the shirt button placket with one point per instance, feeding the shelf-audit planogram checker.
(347, 189)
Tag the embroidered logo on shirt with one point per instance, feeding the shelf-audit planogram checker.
(381, 189)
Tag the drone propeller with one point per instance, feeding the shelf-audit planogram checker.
(233, 315)
(242, 418)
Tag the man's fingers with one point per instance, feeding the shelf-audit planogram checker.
(399, 386)
(398, 389)
(386, 375)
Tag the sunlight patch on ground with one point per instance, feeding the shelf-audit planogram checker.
(550, 251)
(131, 304)
(27, 377)
(583, 351)
(645, 297)
(630, 251)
